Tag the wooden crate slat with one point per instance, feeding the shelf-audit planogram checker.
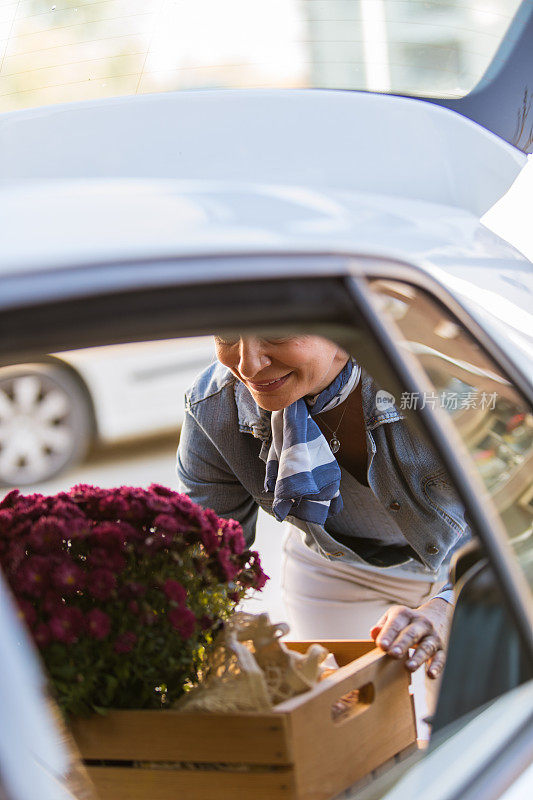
(121, 783)
(313, 756)
(177, 736)
(348, 750)
(345, 651)
(328, 690)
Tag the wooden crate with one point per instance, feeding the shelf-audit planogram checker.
(295, 752)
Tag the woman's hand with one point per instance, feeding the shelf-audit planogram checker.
(425, 629)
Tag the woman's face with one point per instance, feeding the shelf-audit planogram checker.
(278, 372)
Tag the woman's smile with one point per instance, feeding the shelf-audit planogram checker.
(268, 386)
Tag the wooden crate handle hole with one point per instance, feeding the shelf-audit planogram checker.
(353, 703)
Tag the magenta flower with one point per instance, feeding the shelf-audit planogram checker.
(186, 507)
(101, 584)
(229, 569)
(175, 591)
(206, 622)
(47, 533)
(167, 523)
(158, 541)
(7, 520)
(162, 491)
(156, 503)
(111, 506)
(260, 579)
(149, 617)
(66, 625)
(88, 563)
(68, 577)
(15, 554)
(254, 576)
(51, 601)
(78, 528)
(32, 576)
(209, 539)
(98, 557)
(10, 499)
(183, 620)
(27, 612)
(233, 538)
(125, 642)
(133, 589)
(210, 531)
(42, 634)
(110, 535)
(63, 508)
(112, 559)
(98, 624)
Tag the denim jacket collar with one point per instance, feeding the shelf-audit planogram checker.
(252, 418)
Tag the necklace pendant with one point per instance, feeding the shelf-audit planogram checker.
(334, 445)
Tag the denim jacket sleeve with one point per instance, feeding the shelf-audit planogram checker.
(205, 476)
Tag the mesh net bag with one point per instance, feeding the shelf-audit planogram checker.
(251, 669)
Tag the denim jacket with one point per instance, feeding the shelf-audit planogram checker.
(221, 464)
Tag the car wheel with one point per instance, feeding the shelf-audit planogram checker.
(45, 423)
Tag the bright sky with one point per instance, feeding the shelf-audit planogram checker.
(512, 216)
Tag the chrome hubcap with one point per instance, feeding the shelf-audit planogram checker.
(35, 430)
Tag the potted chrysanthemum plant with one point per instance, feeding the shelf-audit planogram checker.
(122, 589)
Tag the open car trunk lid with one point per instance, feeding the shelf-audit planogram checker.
(381, 144)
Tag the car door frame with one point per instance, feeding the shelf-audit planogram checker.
(481, 513)
(102, 304)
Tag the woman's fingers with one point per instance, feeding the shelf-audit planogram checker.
(402, 629)
(436, 665)
(376, 629)
(392, 624)
(427, 648)
(409, 637)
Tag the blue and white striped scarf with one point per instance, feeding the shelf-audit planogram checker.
(301, 470)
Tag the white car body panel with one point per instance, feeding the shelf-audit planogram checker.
(470, 749)
(521, 789)
(119, 220)
(34, 756)
(128, 223)
(354, 141)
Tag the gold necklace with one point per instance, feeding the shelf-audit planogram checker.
(335, 442)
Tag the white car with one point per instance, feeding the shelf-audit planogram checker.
(54, 409)
(353, 215)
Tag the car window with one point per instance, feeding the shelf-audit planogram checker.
(63, 51)
(493, 420)
(110, 416)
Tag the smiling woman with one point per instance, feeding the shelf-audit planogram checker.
(346, 477)
(280, 371)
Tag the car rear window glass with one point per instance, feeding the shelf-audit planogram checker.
(62, 51)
